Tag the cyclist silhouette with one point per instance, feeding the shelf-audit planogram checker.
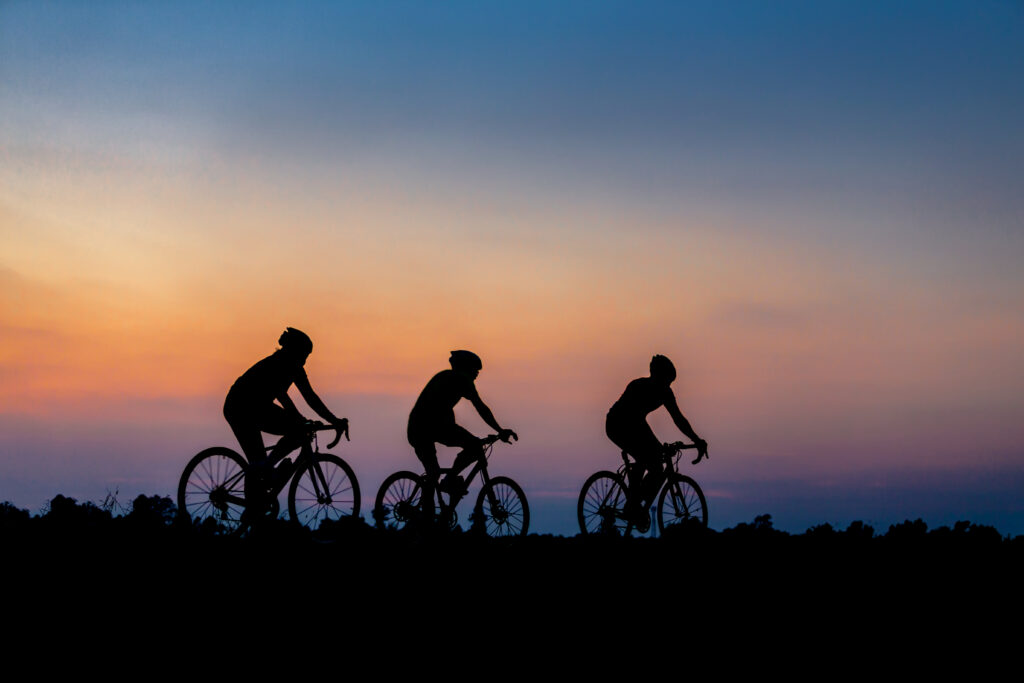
(250, 409)
(626, 425)
(432, 421)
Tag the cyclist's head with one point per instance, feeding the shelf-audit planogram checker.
(296, 343)
(662, 369)
(466, 362)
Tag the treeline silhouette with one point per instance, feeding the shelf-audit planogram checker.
(149, 530)
(144, 564)
(155, 518)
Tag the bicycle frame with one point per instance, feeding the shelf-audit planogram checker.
(670, 458)
(480, 466)
(309, 448)
(608, 500)
(501, 508)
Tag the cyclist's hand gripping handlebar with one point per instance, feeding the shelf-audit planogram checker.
(340, 427)
(702, 451)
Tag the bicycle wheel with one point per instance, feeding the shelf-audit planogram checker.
(602, 504)
(398, 500)
(212, 487)
(502, 509)
(681, 502)
(333, 496)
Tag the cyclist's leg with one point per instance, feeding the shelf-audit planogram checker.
(426, 451)
(243, 422)
(622, 433)
(647, 450)
(654, 477)
(453, 435)
(248, 422)
(459, 437)
(274, 419)
(250, 439)
(647, 474)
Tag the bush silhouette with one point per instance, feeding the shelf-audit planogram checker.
(859, 530)
(12, 517)
(67, 512)
(152, 511)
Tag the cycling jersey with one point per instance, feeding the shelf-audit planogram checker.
(266, 380)
(436, 403)
(432, 419)
(626, 424)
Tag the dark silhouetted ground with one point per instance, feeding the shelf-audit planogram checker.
(153, 579)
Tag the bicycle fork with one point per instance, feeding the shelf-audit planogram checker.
(320, 487)
(497, 507)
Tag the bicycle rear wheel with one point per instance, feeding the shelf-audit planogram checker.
(602, 505)
(681, 503)
(398, 500)
(502, 509)
(325, 489)
(212, 487)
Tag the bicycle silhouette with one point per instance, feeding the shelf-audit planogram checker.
(602, 504)
(323, 486)
(500, 510)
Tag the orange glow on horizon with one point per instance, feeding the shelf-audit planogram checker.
(124, 298)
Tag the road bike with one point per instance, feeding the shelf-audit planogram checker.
(500, 510)
(602, 507)
(321, 487)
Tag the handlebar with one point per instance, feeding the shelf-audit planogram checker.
(675, 447)
(341, 428)
(493, 438)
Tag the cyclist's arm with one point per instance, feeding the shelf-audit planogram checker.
(286, 402)
(488, 416)
(681, 422)
(314, 402)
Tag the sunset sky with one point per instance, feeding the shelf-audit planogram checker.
(816, 209)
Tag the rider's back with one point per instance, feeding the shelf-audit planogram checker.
(266, 380)
(436, 403)
(642, 396)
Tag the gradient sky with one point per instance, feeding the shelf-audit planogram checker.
(816, 209)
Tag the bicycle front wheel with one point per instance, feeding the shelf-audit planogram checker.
(602, 505)
(324, 489)
(398, 500)
(502, 508)
(681, 503)
(212, 487)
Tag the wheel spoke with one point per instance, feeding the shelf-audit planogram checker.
(398, 500)
(601, 503)
(681, 501)
(336, 485)
(503, 507)
(211, 486)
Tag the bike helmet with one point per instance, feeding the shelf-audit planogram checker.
(296, 340)
(465, 360)
(662, 368)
